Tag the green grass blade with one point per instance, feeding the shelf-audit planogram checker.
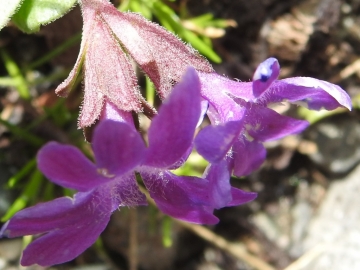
(25, 170)
(15, 73)
(58, 50)
(166, 231)
(150, 92)
(29, 194)
(5, 82)
(22, 133)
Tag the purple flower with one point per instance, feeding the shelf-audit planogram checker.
(242, 118)
(110, 40)
(66, 227)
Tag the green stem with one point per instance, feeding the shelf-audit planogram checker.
(58, 50)
(14, 71)
(34, 140)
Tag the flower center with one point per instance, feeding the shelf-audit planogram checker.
(104, 172)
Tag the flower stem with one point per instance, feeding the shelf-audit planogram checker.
(237, 250)
(133, 242)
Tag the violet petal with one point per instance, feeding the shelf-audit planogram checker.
(111, 112)
(312, 93)
(43, 217)
(213, 142)
(125, 192)
(215, 89)
(240, 196)
(204, 105)
(266, 73)
(185, 198)
(248, 156)
(264, 124)
(172, 130)
(218, 176)
(64, 243)
(67, 166)
(118, 148)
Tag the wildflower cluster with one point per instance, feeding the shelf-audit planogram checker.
(240, 115)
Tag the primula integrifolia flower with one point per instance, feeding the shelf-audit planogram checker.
(66, 226)
(241, 115)
(110, 40)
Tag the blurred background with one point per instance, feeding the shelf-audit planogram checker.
(306, 215)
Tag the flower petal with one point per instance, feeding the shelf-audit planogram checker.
(215, 89)
(264, 124)
(111, 112)
(67, 166)
(43, 217)
(240, 197)
(172, 130)
(64, 243)
(222, 192)
(118, 148)
(125, 192)
(185, 198)
(312, 93)
(266, 73)
(65, 87)
(214, 142)
(218, 176)
(248, 156)
(114, 78)
(162, 56)
(204, 105)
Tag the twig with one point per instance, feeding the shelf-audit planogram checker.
(351, 69)
(133, 244)
(307, 258)
(237, 250)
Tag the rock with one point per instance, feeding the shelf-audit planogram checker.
(338, 140)
(334, 233)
